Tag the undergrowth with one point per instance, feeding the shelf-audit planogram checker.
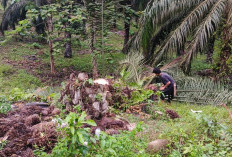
(193, 134)
(78, 141)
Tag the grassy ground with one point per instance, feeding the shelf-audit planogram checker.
(200, 63)
(187, 131)
(31, 60)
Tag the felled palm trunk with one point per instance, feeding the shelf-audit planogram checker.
(68, 43)
(95, 99)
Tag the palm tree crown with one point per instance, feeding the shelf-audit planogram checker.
(179, 20)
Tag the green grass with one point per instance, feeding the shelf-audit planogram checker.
(200, 63)
(17, 51)
(185, 130)
(14, 78)
(107, 63)
(114, 42)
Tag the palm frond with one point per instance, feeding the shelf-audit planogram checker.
(229, 19)
(160, 35)
(203, 91)
(199, 90)
(157, 12)
(13, 13)
(178, 36)
(133, 65)
(203, 33)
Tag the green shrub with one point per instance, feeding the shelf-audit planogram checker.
(124, 144)
(5, 106)
(75, 138)
(213, 139)
(36, 45)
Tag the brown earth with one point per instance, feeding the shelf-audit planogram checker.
(25, 127)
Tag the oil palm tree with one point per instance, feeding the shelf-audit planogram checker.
(17, 11)
(167, 25)
(12, 14)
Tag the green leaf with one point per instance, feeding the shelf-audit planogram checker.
(103, 143)
(72, 130)
(82, 117)
(81, 138)
(93, 140)
(91, 122)
(187, 150)
(111, 151)
(74, 139)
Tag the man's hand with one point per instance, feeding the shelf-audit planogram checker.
(162, 87)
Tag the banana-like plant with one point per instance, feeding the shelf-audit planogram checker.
(166, 25)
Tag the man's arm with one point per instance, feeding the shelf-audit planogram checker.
(175, 89)
(165, 86)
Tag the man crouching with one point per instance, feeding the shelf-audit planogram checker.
(169, 85)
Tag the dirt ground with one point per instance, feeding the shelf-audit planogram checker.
(25, 127)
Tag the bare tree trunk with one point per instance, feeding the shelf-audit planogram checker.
(127, 31)
(102, 31)
(92, 22)
(52, 62)
(68, 43)
(93, 40)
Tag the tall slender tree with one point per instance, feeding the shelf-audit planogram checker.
(92, 20)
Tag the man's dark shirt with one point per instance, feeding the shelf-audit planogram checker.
(165, 78)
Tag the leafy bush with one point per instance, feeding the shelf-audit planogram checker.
(76, 140)
(74, 137)
(216, 139)
(36, 45)
(4, 105)
(17, 94)
(124, 144)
